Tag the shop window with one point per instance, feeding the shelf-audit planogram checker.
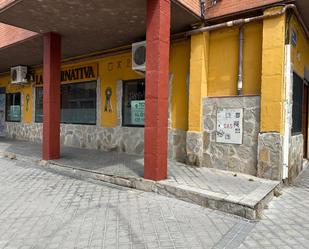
(78, 103)
(133, 103)
(13, 109)
(298, 91)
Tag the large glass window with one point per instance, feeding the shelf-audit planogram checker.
(133, 103)
(13, 110)
(78, 103)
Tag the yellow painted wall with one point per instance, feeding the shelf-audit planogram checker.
(180, 67)
(300, 53)
(273, 89)
(24, 90)
(223, 60)
(112, 69)
(118, 67)
(198, 79)
(214, 67)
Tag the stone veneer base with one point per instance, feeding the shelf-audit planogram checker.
(296, 156)
(121, 139)
(270, 159)
(232, 157)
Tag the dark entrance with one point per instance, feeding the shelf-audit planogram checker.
(300, 109)
(305, 119)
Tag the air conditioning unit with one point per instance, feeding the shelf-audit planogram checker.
(139, 56)
(19, 75)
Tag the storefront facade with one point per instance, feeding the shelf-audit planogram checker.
(237, 98)
(98, 99)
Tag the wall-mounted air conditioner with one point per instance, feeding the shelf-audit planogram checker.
(139, 56)
(19, 75)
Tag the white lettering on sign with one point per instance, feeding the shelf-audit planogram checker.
(229, 126)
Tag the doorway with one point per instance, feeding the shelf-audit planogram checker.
(305, 119)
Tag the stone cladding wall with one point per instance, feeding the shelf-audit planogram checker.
(122, 139)
(270, 158)
(296, 156)
(237, 158)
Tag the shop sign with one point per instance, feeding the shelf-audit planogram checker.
(137, 112)
(82, 73)
(229, 126)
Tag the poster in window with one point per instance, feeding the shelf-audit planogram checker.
(137, 112)
(15, 112)
(229, 126)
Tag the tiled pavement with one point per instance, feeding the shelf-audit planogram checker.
(112, 163)
(286, 223)
(41, 209)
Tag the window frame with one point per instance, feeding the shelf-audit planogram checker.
(35, 106)
(75, 83)
(123, 104)
(6, 108)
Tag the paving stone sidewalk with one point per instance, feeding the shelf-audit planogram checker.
(234, 193)
(40, 209)
(285, 224)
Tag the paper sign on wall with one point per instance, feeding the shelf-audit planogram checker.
(137, 112)
(229, 126)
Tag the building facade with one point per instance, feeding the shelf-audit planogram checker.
(235, 89)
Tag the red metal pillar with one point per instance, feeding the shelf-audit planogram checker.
(51, 96)
(157, 71)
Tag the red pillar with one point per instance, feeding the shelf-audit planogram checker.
(157, 73)
(51, 96)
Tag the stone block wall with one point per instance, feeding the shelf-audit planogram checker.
(296, 156)
(270, 158)
(238, 158)
(194, 148)
(122, 139)
(177, 145)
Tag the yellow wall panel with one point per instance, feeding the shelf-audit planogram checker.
(180, 67)
(27, 104)
(252, 58)
(198, 79)
(111, 70)
(272, 88)
(223, 61)
(271, 116)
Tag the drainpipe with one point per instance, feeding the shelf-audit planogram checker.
(240, 60)
(243, 21)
